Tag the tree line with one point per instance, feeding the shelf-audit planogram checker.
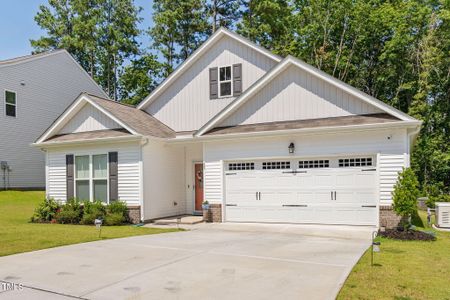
(397, 51)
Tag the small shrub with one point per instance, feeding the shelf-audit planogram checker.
(113, 219)
(405, 195)
(70, 212)
(92, 211)
(46, 211)
(116, 213)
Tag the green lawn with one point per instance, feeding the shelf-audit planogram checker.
(404, 270)
(18, 235)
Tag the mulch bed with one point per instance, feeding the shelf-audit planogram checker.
(408, 235)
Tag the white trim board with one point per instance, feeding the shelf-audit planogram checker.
(292, 61)
(196, 55)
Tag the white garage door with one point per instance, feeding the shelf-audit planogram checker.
(325, 191)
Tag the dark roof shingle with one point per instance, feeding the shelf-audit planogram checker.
(301, 124)
(89, 135)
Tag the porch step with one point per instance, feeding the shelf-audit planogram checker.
(186, 220)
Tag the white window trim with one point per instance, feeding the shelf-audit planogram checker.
(225, 81)
(91, 177)
(5, 103)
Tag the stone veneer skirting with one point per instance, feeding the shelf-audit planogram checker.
(388, 218)
(215, 213)
(134, 214)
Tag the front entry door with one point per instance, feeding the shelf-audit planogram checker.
(198, 186)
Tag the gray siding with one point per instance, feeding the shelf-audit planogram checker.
(297, 95)
(51, 83)
(186, 104)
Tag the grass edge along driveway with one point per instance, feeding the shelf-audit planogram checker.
(404, 270)
(18, 235)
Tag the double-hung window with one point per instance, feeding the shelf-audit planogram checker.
(225, 81)
(91, 177)
(10, 104)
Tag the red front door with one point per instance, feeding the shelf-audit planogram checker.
(198, 186)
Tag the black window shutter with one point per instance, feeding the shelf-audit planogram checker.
(113, 176)
(213, 83)
(237, 79)
(69, 177)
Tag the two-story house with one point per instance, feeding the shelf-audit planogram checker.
(260, 137)
(34, 91)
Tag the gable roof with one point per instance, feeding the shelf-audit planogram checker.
(219, 34)
(283, 65)
(135, 121)
(42, 55)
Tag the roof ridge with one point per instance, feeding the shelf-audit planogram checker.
(27, 57)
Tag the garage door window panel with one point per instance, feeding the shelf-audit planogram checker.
(313, 164)
(276, 165)
(241, 166)
(355, 162)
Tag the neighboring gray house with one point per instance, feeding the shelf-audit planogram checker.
(260, 137)
(34, 91)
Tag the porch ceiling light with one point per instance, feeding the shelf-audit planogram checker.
(291, 148)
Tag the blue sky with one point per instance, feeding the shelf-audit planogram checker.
(17, 25)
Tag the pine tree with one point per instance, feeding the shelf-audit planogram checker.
(223, 13)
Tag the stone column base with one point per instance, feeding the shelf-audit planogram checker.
(388, 218)
(215, 213)
(134, 214)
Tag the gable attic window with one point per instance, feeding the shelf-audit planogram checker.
(10, 104)
(225, 82)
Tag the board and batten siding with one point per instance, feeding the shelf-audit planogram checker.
(129, 172)
(89, 118)
(186, 104)
(45, 87)
(297, 95)
(388, 145)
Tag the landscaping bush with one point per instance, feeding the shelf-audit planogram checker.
(434, 194)
(113, 219)
(70, 213)
(92, 211)
(46, 211)
(405, 195)
(76, 212)
(116, 213)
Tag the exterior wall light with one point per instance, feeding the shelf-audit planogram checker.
(291, 148)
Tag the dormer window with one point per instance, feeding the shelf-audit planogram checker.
(225, 82)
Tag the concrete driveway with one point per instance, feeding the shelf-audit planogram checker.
(210, 262)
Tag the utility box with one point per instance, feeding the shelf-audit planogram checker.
(443, 214)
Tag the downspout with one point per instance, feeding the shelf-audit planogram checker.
(144, 141)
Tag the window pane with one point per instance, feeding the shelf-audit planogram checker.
(225, 89)
(10, 110)
(101, 190)
(82, 166)
(225, 73)
(10, 97)
(82, 189)
(99, 165)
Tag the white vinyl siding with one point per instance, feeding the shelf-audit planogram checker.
(390, 166)
(186, 104)
(128, 169)
(89, 118)
(311, 147)
(45, 87)
(297, 95)
(213, 177)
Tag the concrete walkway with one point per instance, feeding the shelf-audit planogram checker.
(208, 262)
